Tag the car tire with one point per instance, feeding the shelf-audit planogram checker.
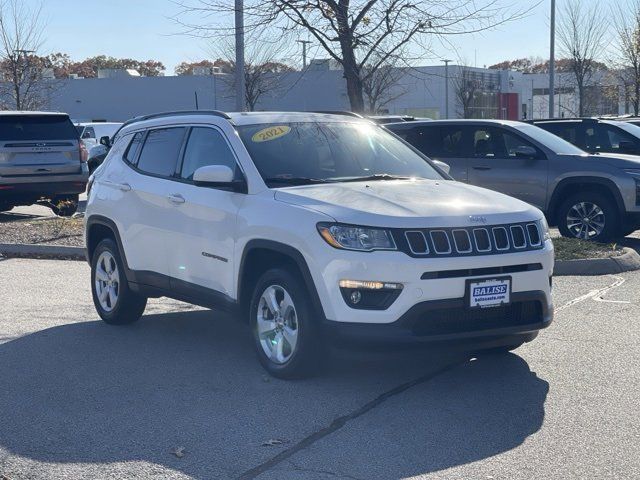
(602, 225)
(119, 305)
(65, 206)
(285, 328)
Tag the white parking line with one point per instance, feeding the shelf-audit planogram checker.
(596, 295)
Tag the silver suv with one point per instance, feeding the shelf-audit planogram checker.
(41, 160)
(593, 197)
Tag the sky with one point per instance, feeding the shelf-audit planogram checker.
(144, 29)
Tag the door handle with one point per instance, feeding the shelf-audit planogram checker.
(125, 187)
(482, 167)
(176, 198)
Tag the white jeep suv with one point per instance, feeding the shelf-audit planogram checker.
(311, 227)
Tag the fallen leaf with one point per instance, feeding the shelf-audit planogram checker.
(178, 452)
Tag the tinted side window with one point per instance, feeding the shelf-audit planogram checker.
(206, 146)
(89, 132)
(438, 142)
(160, 151)
(566, 131)
(134, 147)
(509, 142)
(484, 142)
(617, 140)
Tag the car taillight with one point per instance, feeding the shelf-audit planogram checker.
(84, 153)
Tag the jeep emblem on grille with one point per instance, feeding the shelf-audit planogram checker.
(477, 219)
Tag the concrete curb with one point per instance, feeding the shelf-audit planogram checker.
(627, 262)
(53, 252)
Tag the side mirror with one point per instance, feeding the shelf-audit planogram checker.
(106, 141)
(442, 166)
(218, 176)
(626, 146)
(525, 151)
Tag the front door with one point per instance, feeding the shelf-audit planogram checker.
(204, 220)
(495, 164)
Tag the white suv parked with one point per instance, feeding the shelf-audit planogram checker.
(311, 226)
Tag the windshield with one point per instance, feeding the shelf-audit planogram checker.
(629, 128)
(549, 140)
(309, 152)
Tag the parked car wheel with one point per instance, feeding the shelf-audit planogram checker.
(589, 216)
(64, 206)
(115, 302)
(286, 333)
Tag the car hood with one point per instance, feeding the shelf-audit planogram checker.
(409, 203)
(617, 160)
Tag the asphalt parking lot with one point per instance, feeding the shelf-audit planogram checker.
(180, 395)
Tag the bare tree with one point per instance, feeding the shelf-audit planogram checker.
(354, 33)
(626, 22)
(21, 70)
(581, 31)
(466, 88)
(265, 62)
(381, 85)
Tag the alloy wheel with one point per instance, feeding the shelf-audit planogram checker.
(107, 281)
(585, 220)
(277, 324)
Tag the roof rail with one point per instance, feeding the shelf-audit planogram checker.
(346, 113)
(216, 113)
(572, 119)
(150, 116)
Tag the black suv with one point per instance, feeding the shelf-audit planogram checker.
(595, 135)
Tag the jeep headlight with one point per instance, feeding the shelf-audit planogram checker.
(350, 237)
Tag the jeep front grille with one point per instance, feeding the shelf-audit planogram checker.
(469, 241)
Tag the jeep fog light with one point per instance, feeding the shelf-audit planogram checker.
(369, 295)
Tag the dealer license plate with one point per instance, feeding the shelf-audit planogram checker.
(489, 293)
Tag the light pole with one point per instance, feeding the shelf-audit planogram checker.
(446, 87)
(304, 52)
(552, 61)
(239, 8)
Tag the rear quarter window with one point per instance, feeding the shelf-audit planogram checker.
(36, 127)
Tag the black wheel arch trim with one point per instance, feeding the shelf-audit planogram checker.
(290, 252)
(110, 224)
(556, 197)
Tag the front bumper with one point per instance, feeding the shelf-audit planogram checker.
(451, 320)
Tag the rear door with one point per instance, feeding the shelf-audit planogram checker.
(496, 166)
(38, 145)
(143, 211)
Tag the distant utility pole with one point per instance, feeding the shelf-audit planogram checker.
(240, 55)
(552, 61)
(304, 52)
(446, 87)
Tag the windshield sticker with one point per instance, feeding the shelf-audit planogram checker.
(270, 133)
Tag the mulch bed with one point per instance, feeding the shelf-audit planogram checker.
(45, 231)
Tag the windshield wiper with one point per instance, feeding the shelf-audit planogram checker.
(295, 180)
(379, 176)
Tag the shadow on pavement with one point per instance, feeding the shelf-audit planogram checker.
(92, 393)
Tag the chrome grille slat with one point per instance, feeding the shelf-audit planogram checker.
(514, 240)
(435, 244)
(413, 246)
(455, 241)
(530, 227)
